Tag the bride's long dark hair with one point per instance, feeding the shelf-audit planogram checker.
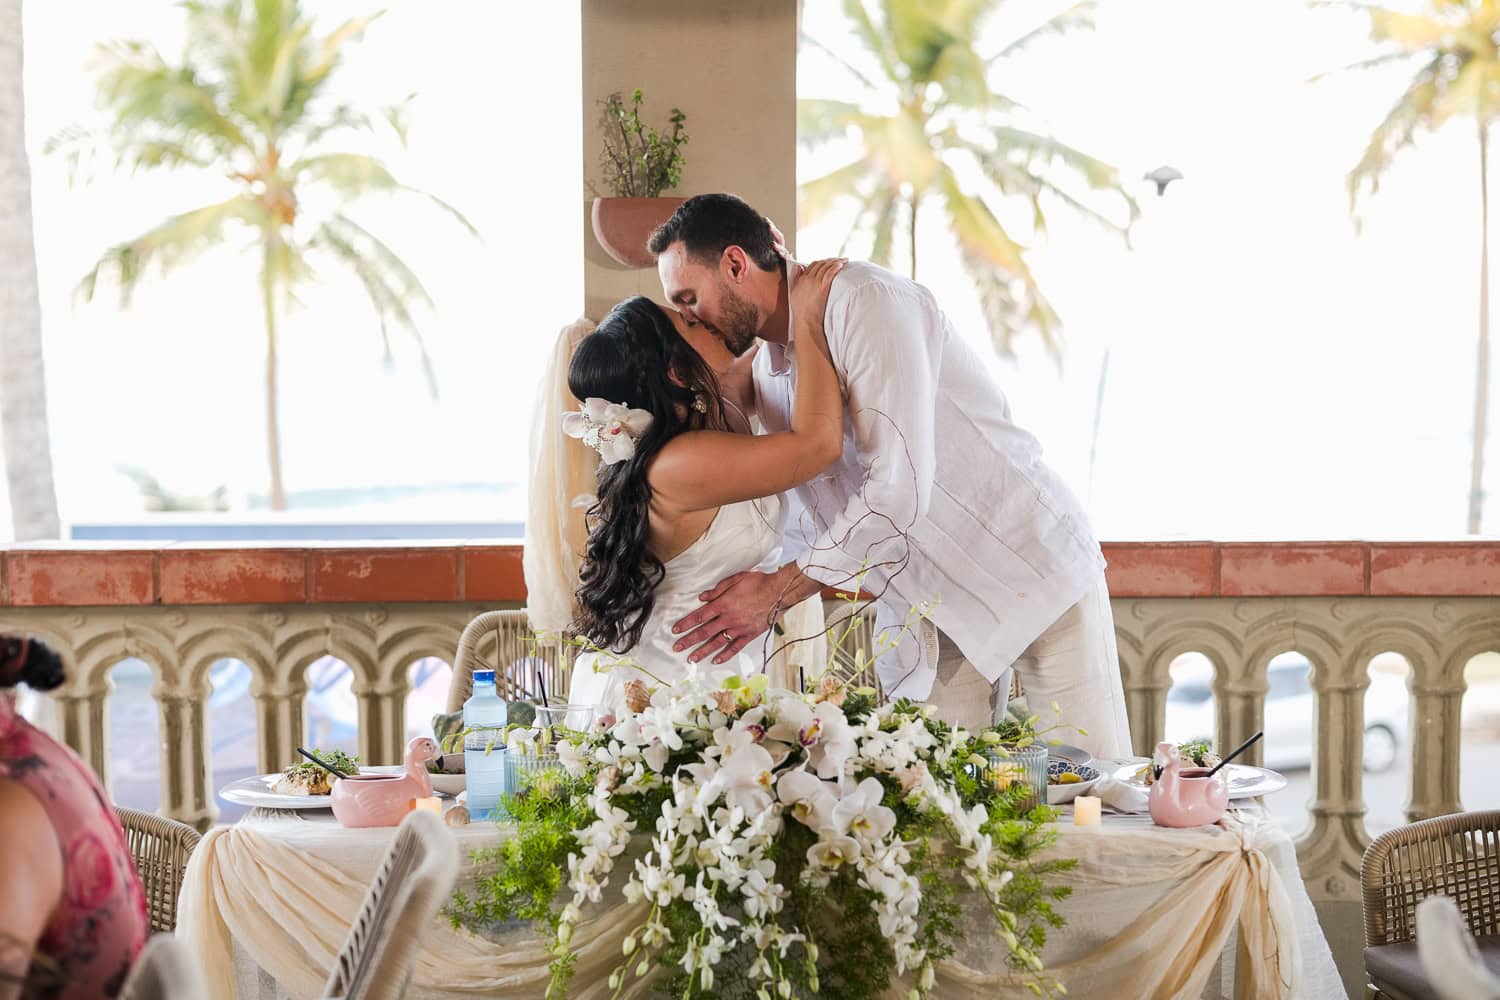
(637, 358)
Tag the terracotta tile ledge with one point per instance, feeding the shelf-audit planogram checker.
(72, 575)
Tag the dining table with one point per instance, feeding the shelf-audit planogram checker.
(1218, 912)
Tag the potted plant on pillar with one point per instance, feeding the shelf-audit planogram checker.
(638, 163)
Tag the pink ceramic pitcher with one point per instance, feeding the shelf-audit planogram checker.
(1186, 796)
(382, 799)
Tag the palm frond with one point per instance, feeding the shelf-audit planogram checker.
(820, 121)
(1078, 16)
(1020, 165)
(175, 241)
(1412, 111)
(872, 38)
(388, 282)
(1384, 59)
(1009, 297)
(329, 50)
(1413, 32)
(884, 227)
(145, 95)
(1474, 91)
(815, 198)
(354, 175)
(1031, 147)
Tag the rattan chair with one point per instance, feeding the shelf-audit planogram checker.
(164, 970)
(411, 885)
(1455, 856)
(502, 641)
(161, 848)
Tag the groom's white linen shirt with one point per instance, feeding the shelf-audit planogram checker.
(930, 455)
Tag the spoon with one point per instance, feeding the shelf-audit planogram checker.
(1235, 753)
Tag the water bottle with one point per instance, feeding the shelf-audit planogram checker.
(484, 773)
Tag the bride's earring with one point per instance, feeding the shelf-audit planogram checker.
(700, 401)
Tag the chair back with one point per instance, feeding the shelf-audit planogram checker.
(1456, 856)
(164, 970)
(161, 848)
(502, 641)
(1449, 958)
(408, 890)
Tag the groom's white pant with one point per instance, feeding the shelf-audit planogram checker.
(1073, 663)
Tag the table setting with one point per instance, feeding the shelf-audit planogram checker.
(1181, 885)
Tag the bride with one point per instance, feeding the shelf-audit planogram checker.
(686, 494)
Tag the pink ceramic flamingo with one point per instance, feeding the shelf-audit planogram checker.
(382, 799)
(1185, 796)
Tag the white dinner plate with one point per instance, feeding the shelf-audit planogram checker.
(1070, 753)
(255, 791)
(1245, 782)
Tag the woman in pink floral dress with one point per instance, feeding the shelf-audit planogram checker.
(72, 913)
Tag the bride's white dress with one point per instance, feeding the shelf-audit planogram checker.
(742, 536)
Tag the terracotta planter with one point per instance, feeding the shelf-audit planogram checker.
(622, 226)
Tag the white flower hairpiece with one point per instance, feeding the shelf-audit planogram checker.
(611, 429)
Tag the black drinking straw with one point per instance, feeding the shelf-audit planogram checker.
(318, 761)
(541, 684)
(1236, 752)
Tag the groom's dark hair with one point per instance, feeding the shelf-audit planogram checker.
(708, 223)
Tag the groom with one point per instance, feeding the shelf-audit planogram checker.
(939, 495)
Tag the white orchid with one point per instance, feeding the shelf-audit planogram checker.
(810, 801)
(573, 759)
(611, 429)
(745, 780)
(833, 851)
(861, 815)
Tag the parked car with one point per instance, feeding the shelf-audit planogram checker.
(1289, 712)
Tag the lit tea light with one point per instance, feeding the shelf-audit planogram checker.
(432, 805)
(1086, 810)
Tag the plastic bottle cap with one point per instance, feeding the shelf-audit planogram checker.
(484, 677)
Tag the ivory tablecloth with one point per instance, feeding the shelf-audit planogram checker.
(1216, 912)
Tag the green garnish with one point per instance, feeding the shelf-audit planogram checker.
(341, 762)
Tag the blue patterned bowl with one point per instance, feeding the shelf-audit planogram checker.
(1058, 794)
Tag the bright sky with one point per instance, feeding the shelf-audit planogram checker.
(1270, 373)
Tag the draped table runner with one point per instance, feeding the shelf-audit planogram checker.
(1214, 912)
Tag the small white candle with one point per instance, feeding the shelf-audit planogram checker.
(434, 805)
(1086, 810)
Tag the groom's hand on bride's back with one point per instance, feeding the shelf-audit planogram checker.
(738, 611)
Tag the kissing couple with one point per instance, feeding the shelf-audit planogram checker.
(780, 428)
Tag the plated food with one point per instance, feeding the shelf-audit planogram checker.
(307, 778)
(1195, 753)
(1067, 780)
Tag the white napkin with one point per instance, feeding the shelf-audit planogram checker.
(1121, 796)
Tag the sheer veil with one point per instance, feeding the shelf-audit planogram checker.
(561, 472)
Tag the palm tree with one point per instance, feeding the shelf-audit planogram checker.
(949, 122)
(249, 101)
(23, 396)
(1451, 47)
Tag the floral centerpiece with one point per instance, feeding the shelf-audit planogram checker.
(789, 843)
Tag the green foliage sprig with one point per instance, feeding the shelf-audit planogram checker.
(637, 160)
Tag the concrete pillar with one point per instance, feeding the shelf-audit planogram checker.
(731, 66)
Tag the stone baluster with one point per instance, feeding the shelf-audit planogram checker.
(279, 723)
(1436, 737)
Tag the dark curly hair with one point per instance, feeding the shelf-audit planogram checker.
(630, 359)
(29, 661)
(708, 223)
